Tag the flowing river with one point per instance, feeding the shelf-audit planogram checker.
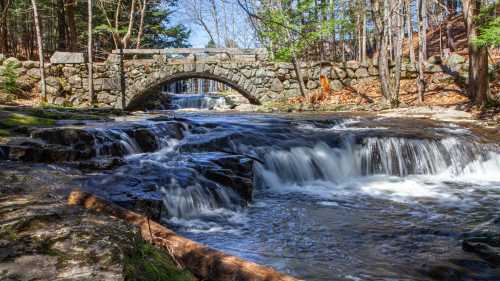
(335, 197)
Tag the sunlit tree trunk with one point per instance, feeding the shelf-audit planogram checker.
(141, 25)
(478, 88)
(398, 52)
(421, 9)
(40, 51)
(363, 39)
(90, 56)
(126, 37)
(4, 34)
(409, 31)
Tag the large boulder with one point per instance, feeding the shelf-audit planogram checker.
(455, 59)
(33, 73)
(12, 62)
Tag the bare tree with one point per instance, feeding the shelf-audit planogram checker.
(126, 37)
(141, 24)
(409, 31)
(90, 55)
(381, 12)
(40, 51)
(422, 33)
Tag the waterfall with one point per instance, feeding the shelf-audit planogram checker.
(198, 101)
(388, 156)
(196, 199)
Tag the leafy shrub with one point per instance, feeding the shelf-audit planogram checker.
(9, 73)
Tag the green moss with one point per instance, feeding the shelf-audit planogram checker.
(4, 133)
(15, 119)
(145, 262)
(8, 233)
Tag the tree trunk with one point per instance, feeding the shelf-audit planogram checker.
(421, 50)
(296, 66)
(141, 25)
(61, 26)
(40, 51)
(4, 34)
(380, 18)
(72, 32)
(126, 38)
(363, 41)
(215, 16)
(450, 42)
(90, 56)
(409, 30)
(398, 52)
(478, 88)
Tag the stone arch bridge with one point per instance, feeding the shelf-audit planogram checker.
(249, 71)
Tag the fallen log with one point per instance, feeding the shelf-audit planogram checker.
(202, 261)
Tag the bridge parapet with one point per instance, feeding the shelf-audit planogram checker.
(193, 55)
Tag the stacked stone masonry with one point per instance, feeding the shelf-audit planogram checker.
(254, 76)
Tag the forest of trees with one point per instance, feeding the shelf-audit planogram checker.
(387, 32)
(116, 23)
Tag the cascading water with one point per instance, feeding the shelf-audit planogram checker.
(198, 101)
(196, 94)
(334, 198)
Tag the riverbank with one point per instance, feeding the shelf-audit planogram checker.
(42, 238)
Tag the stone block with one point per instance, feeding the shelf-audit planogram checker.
(67, 58)
(276, 85)
(338, 73)
(455, 59)
(75, 80)
(350, 73)
(311, 84)
(372, 70)
(352, 64)
(336, 85)
(30, 64)
(362, 72)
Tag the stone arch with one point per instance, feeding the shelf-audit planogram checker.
(150, 89)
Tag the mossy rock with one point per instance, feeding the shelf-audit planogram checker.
(143, 262)
(14, 119)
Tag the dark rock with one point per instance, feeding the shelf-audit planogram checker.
(101, 164)
(232, 171)
(484, 241)
(483, 248)
(4, 152)
(241, 185)
(65, 136)
(145, 139)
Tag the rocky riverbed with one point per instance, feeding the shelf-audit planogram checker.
(306, 186)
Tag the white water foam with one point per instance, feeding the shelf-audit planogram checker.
(400, 170)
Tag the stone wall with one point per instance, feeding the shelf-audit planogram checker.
(257, 79)
(67, 84)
